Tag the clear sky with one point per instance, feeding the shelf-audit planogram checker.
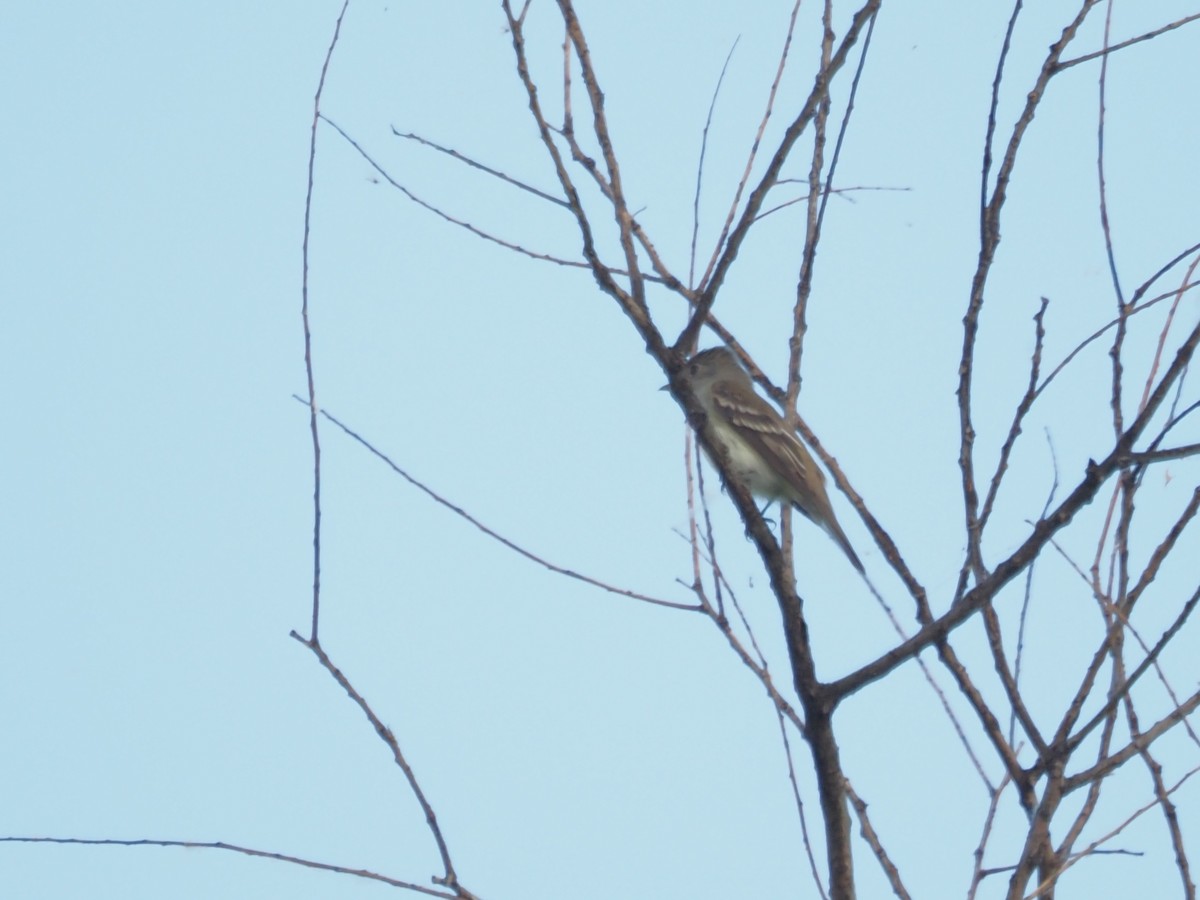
(155, 514)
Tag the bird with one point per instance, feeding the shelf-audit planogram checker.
(764, 453)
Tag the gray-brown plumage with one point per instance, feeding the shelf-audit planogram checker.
(764, 453)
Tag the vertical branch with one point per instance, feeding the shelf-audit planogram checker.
(818, 705)
(868, 832)
(712, 105)
(845, 126)
(568, 126)
(637, 285)
(1023, 407)
(989, 243)
(1123, 310)
(988, 822)
(1114, 648)
(997, 80)
(728, 253)
(812, 225)
(308, 356)
(632, 302)
(1170, 815)
(831, 781)
(1037, 852)
(762, 127)
(808, 850)
(1166, 329)
(811, 235)
(1105, 225)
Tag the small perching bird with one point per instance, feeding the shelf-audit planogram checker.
(764, 453)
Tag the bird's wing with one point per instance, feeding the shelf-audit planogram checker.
(760, 426)
(765, 431)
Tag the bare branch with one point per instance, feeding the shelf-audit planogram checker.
(449, 878)
(1107, 51)
(762, 127)
(1023, 407)
(1100, 332)
(517, 548)
(989, 243)
(989, 820)
(867, 830)
(808, 850)
(712, 284)
(634, 308)
(441, 214)
(1095, 476)
(712, 105)
(1105, 223)
(1092, 847)
(1077, 738)
(812, 223)
(637, 298)
(475, 164)
(308, 354)
(237, 848)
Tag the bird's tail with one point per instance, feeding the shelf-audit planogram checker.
(839, 537)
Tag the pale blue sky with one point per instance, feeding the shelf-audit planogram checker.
(156, 514)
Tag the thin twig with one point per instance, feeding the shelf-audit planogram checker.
(461, 223)
(844, 127)
(237, 848)
(1177, 715)
(1100, 332)
(1094, 477)
(1107, 51)
(308, 355)
(844, 193)
(475, 164)
(1105, 224)
(1023, 407)
(989, 239)
(449, 878)
(1027, 594)
(712, 105)
(1091, 849)
(728, 249)
(634, 308)
(762, 127)
(512, 545)
(989, 820)
(812, 228)
(791, 768)
(867, 830)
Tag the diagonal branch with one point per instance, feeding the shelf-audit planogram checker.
(475, 164)
(511, 545)
(449, 878)
(1135, 746)
(1088, 57)
(1095, 476)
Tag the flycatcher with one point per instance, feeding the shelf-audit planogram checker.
(764, 453)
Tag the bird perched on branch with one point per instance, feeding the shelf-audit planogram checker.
(764, 453)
